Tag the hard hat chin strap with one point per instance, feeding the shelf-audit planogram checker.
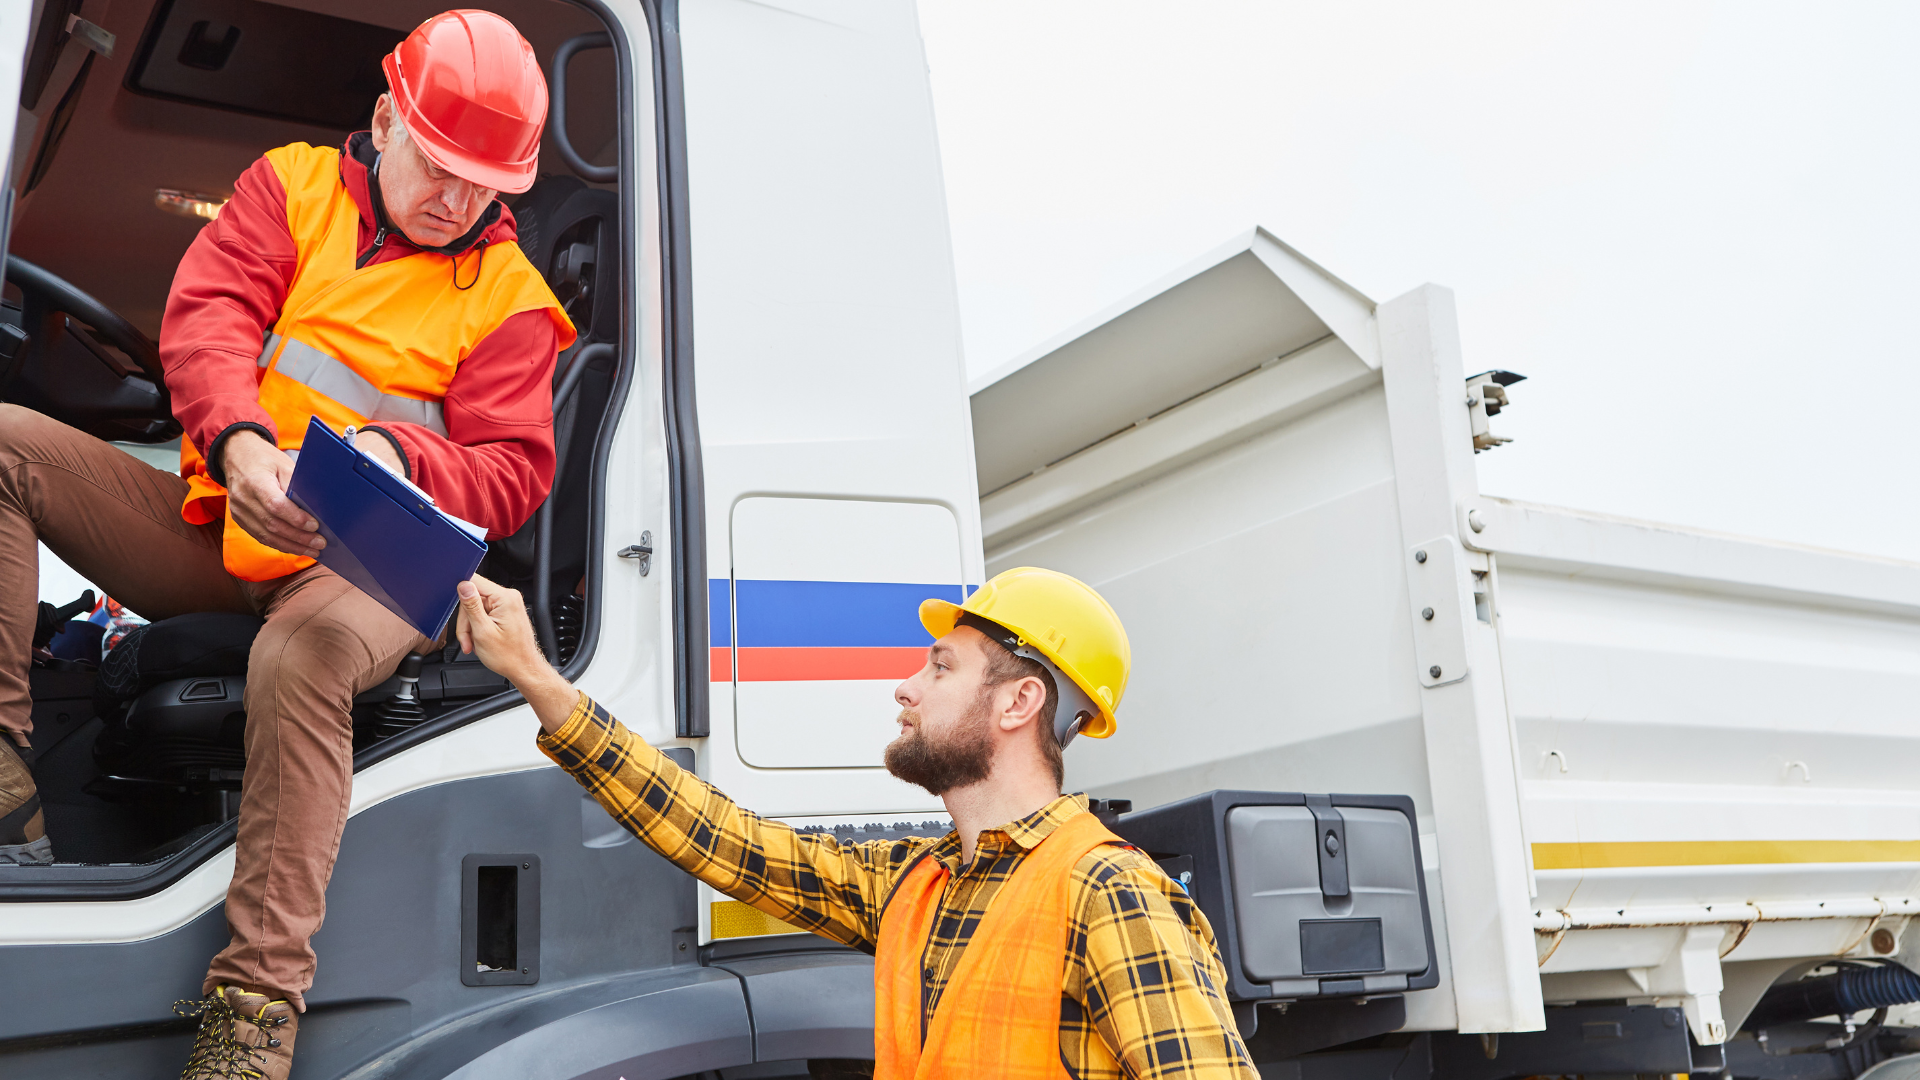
(1072, 708)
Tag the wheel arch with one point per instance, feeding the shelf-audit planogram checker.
(808, 1004)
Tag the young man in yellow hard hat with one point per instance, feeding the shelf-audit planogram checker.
(1028, 942)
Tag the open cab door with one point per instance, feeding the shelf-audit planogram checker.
(15, 20)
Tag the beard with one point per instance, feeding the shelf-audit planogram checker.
(964, 756)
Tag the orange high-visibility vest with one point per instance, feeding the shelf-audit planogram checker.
(358, 346)
(999, 1015)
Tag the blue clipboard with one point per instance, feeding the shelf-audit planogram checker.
(383, 534)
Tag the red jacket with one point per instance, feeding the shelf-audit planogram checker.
(496, 462)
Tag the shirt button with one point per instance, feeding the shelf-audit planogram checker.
(929, 974)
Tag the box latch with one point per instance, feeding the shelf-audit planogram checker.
(1330, 840)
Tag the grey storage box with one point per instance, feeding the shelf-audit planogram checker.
(1309, 895)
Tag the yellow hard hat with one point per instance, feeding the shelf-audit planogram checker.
(1067, 624)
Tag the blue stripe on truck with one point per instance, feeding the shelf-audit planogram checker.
(822, 614)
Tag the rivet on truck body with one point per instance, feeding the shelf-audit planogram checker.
(1434, 671)
(1426, 613)
(1420, 556)
(1474, 522)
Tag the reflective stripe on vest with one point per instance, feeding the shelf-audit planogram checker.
(357, 345)
(305, 364)
(999, 1014)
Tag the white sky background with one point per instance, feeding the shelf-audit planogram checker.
(1694, 226)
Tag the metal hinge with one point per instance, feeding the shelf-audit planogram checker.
(1486, 396)
(642, 551)
(90, 35)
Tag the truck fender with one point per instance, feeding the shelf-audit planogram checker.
(809, 1004)
(686, 1027)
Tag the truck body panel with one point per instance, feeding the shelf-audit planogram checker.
(830, 374)
(1647, 749)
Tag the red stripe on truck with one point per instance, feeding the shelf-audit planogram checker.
(818, 664)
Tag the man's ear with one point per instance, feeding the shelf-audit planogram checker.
(382, 123)
(1029, 694)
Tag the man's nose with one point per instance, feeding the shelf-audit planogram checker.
(455, 197)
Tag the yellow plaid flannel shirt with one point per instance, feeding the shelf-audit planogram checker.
(1142, 995)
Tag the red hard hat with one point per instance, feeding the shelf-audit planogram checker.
(470, 92)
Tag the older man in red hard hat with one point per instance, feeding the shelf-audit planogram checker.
(375, 285)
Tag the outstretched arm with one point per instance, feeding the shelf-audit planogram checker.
(492, 622)
(810, 880)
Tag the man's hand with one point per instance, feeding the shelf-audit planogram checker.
(492, 624)
(257, 476)
(380, 448)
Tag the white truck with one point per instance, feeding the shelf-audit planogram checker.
(1618, 780)
(1654, 767)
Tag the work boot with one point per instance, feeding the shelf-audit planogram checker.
(242, 1036)
(23, 828)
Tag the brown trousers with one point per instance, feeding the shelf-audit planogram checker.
(117, 521)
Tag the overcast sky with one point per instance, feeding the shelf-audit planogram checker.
(1694, 226)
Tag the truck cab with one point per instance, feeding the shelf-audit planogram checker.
(741, 208)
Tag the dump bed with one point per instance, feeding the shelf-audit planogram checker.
(1649, 763)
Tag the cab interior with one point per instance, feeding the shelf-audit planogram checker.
(135, 118)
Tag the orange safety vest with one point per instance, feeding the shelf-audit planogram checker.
(358, 346)
(999, 1015)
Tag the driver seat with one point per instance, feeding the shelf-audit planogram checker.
(171, 696)
(172, 700)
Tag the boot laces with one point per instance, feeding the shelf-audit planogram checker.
(216, 1053)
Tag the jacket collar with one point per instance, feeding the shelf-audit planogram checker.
(359, 164)
(1037, 826)
(1027, 832)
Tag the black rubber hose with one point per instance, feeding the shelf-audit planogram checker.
(1854, 988)
(557, 108)
(543, 518)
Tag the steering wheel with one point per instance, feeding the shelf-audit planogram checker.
(122, 395)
